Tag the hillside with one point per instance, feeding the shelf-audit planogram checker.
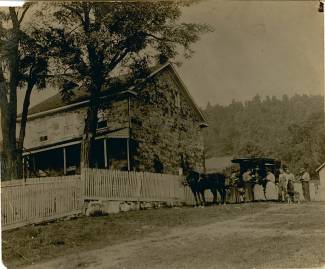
(289, 129)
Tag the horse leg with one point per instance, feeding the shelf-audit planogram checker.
(223, 196)
(214, 193)
(203, 198)
(196, 198)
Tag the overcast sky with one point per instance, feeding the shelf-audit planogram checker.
(258, 47)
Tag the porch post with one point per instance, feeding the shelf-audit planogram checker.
(129, 133)
(64, 161)
(105, 152)
(128, 152)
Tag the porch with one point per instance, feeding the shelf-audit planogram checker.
(112, 151)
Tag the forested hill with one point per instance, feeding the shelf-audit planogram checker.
(289, 129)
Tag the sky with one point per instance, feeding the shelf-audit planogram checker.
(257, 47)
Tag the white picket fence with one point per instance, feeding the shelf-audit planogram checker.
(47, 198)
(39, 199)
(134, 186)
(43, 199)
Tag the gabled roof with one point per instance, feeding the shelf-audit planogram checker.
(80, 97)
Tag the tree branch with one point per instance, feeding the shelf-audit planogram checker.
(74, 10)
(118, 57)
(13, 17)
(23, 14)
(159, 38)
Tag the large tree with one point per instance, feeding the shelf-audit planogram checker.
(23, 67)
(94, 41)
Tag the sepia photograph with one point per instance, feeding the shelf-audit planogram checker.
(162, 134)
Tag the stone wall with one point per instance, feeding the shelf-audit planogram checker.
(116, 114)
(167, 126)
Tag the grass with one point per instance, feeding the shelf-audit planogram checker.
(32, 244)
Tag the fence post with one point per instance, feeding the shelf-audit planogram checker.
(83, 187)
(139, 185)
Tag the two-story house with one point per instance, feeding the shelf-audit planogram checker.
(157, 128)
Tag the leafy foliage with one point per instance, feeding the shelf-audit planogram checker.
(289, 129)
(92, 42)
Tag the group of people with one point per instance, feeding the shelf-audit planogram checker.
(252, 186)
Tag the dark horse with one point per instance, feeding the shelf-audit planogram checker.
(214, 182)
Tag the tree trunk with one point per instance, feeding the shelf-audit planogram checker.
(22, 131)
(87, 146)
(8, 160)
(9, 106)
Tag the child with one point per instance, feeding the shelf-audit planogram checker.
(290, 191)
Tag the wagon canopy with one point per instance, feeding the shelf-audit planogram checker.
(263, 164)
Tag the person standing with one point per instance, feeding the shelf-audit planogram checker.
(248, 185)
(271, 192)
(233, 193)
(290, 191)
(289, 176)
(282, 185)
(305, 178)
(258, 188)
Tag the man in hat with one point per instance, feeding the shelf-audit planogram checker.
(305, 178)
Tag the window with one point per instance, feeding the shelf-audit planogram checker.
(43, 138)
(102, 122)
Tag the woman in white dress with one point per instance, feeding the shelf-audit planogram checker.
(258, 189)
(271, 190)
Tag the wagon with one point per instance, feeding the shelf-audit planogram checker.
(263, 164)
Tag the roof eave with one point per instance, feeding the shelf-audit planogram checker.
(320, 167)
(203, 125)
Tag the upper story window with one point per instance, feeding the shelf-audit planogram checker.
(102, 122)
(43, 138)
(42, 135)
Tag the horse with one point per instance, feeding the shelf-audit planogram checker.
(215, 182)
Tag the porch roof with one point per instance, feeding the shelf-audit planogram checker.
(118, 133)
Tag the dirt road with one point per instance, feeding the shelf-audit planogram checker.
(281, 236)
